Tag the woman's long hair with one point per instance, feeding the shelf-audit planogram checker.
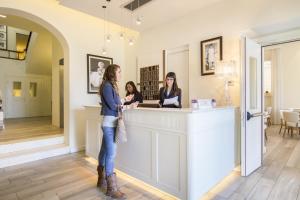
(175, 89)
(134, 91)
(110, 76)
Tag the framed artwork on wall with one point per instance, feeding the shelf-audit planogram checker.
(96, 66)
(2, 28)
(2, 44)
(211, 53)
(3, 37)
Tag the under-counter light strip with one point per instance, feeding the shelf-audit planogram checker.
(137, 182)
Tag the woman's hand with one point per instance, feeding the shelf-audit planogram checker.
(129, 97)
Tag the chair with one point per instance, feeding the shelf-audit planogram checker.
(269, 112)
(265, 129)
(291, 121)
(282, 122)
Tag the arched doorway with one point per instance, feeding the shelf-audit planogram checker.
(64, 61)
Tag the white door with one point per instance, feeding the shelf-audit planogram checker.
(251, 107)
(178, 62)
(27, 97)
(15, 98)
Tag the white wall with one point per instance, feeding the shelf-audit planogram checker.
(169, 37)
(26, 105)
(285, 61)
(79, 34)
(229, 19)
(9, 67)
(57, 54)
(289, 64)
(39, 60)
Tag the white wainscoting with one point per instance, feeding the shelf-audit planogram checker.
(180, 151)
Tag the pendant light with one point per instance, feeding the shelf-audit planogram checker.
(131, 39)
(104, 52)
(138, 20)
(122, 33)
(108, 36)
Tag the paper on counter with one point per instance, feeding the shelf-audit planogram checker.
(173, 100)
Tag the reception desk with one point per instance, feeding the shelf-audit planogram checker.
(183, 152)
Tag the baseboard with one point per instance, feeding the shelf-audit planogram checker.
(77, 149)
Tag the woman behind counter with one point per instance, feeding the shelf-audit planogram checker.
(170, 94)
(131, 90)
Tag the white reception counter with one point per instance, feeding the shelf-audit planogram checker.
(183, 152)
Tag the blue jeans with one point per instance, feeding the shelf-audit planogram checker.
(108, 150)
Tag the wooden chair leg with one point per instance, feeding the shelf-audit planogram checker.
(266, 137)
(280, 129)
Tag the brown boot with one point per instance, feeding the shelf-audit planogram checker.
(112, 188)
(101, 183)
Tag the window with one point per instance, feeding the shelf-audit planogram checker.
(267, 76)
(17, 89)
(32, 89)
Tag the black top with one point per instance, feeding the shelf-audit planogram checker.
(137, 97)
(163, 95)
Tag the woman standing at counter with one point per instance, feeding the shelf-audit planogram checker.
(110, 107)
(170, 94)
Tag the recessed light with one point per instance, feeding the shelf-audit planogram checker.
(3, 16)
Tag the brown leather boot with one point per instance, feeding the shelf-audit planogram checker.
(101, 183)
(112, 188)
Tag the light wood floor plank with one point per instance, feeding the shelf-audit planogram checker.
(287, 185)
(261, 190)
(72, 177)
(24, 128)
(278, 178)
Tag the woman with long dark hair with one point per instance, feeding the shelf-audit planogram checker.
(111, 105)
(170, 94)
(131, 90)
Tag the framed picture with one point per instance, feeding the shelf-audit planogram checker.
(96, 66)
(2, 44)
(2, 28)
(211, 52)
(2, 35)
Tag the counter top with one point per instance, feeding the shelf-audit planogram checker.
(184, 110)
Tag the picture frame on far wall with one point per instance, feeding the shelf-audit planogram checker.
(211, 53)
(2, 44)
(2, 28)
(2, 35)
(96, 66)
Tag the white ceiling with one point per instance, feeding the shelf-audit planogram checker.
(154, 13)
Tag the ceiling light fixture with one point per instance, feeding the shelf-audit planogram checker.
(122, 33)
(131, 40)
(138, 20)
(104, 46)
(108, 36)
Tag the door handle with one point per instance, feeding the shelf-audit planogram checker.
(249, 115)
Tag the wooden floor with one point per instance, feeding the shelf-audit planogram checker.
(277, 179)
(25, 128)
(72, 177)
(68, 177)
